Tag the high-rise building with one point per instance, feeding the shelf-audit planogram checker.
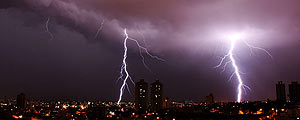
(156, 96)
(141, 95)
(209, 99)
(294, 92)
(280, 92)
(21, 100)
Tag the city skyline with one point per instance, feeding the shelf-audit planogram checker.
(156, 107)
(144, 93)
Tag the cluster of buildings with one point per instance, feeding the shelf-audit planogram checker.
(40, 110)
(157, 100)
(151, 104)
(294, 92)
(293, 104)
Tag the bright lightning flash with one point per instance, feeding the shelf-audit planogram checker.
(124, 64)
(124, 67)
(233, 40)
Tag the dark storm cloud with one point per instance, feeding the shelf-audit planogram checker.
(32, 63)
(191, 24)
(189, 34)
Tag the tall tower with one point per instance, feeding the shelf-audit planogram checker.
(156, 96)
(280, 92)
(21, 100)
(141, 95)
(294, 92)
(209, 99)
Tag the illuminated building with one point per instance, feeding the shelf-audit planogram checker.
(209, 99)
(141, 95)
(21, 100)
(280, 92)
(156, 96)
(166, 103)
(294, 92)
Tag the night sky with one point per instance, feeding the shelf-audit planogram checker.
(187, 34)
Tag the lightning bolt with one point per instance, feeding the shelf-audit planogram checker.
(47, 29)
(258, 48)
(237, 73)
(140, 51)
(124, 74)
(124, 67)
(99, 29)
